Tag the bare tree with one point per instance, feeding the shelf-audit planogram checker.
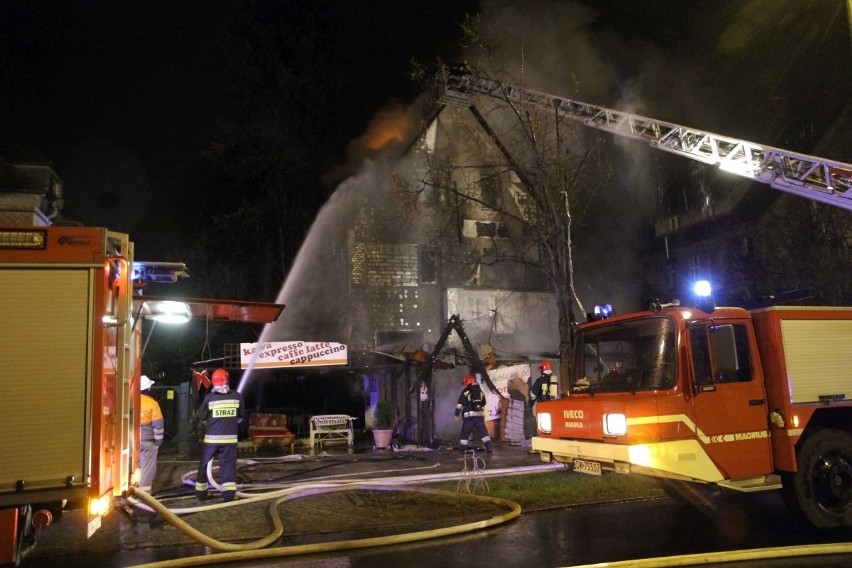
(535, 181)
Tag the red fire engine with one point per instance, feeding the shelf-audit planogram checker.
(70, 362)
(746, 400)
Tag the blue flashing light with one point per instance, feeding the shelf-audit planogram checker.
(164, 272)
(702, 289)
(704, 296)
(603, 311)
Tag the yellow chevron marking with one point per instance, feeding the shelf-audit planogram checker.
(687, 421)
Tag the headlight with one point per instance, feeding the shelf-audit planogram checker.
(544, 422)
(615, 424)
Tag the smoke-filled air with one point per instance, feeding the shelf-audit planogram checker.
(564, 48)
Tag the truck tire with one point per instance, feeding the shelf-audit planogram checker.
(820, 492)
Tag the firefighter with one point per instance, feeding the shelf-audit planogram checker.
(151, 428)
(222, 410)
(546, 386)
(471, 406)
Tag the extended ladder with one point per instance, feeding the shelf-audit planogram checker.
(811, 177)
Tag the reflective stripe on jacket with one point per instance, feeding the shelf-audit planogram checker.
(471, 402)
(151, 423)
(223, 413)
(546, 387)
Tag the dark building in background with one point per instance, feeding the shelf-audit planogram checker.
(756, 245)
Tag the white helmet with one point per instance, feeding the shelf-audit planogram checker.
(145, 383)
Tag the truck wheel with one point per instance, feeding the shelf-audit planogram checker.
(820, 492)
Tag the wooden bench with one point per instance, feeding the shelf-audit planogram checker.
(265, 428)
(330, 428)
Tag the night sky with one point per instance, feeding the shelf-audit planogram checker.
(123, 97)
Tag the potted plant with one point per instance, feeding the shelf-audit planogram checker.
(383, 420)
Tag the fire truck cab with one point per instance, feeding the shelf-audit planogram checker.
(746, 400)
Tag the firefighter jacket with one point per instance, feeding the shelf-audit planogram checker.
(546, 387)
(471, 402)
(151, 424)
(223, 413)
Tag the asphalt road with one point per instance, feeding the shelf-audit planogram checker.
(628, 531)
(653, 527)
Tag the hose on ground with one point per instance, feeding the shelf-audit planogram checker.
(188, 530)
(257, 549)
(275, 490)
(261, 549)
(701, 559)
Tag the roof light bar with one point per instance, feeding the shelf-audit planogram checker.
(23, 239)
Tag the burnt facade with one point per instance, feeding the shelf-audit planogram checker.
(443, 238)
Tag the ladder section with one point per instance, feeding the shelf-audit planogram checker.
(807, 176)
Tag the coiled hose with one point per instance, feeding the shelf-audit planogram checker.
(258, 549)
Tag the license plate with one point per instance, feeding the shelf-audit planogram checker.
(582, 466)
(92, 526)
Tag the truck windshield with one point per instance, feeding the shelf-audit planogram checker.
(626, 357)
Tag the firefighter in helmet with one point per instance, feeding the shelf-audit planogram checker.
(151, 429)
(471, 406)
(546, 386)
(222, 410)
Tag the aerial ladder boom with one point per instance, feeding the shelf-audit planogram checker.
(807, 176)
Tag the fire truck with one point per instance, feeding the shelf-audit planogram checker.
(71, 311)
(748, 400)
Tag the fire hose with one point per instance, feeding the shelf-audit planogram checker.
(260, 549)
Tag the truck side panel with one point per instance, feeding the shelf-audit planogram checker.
(819, 360)
(805, 354)
(67, 357)
(45, 357)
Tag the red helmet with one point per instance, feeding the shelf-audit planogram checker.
(220, 378)
(545, 367)
(468, 380)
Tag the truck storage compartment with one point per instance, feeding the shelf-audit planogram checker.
(809, 346)
(45, 349)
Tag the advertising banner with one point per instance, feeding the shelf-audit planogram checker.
(292, 354)
(501, 378)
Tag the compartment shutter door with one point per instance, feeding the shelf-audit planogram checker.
(45, 345)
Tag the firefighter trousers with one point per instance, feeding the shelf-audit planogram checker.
(474, 425)
(148, 465)
(227, 454)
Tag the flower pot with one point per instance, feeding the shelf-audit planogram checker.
(382, 438)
